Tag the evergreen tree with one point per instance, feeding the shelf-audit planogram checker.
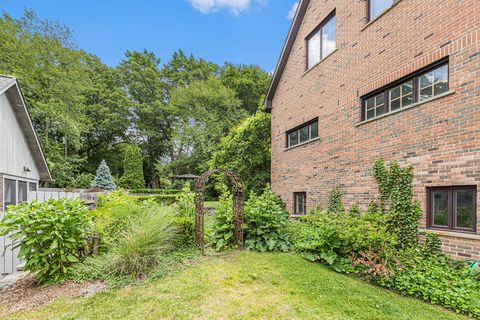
(104, 179)
(133, 169)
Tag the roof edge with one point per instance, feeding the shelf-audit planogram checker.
(287, 48)
(42, 164)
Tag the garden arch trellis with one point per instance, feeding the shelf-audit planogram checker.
(237, 205)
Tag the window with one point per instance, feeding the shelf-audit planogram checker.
(322, 41)
(300, 203)
(376, 7)
(452, 208)
(303, 134)
(22, 191)
(10, 193)
(32, 186)
(418, 87)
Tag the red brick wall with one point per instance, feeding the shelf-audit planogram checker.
(439, 138)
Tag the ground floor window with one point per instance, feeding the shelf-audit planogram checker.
(16, 191)
(300, 202)
(452, 208)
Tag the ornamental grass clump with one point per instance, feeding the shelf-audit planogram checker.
(49, 234)
(144, 240)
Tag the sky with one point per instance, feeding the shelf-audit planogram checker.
(238, 31)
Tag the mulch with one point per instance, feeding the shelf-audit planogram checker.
(25, 294)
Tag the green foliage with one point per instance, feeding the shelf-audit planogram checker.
(432, 246)
(165, 199)
(249, 82)
(132, 169)
(141, 243)
(205, 112)
(103, 179)
(223, 228)
(396, 193)
(157, 191)
(246, 151)
(434, 279)
(266, 223)
(335, 201)
(185, 207)
(49, 235)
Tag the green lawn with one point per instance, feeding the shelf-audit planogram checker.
(247, 285)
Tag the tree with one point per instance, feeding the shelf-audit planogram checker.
(151, 128)
(246, 150)
(133, 169)
(104, 179)
(205, 112)
(249, 82)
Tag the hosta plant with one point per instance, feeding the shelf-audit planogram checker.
(49, 235)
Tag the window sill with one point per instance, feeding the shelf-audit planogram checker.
(381, 14)
(406, 108)
(302, 144)
(318, 63)
(456, 234)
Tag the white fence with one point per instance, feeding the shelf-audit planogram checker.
(9, 261)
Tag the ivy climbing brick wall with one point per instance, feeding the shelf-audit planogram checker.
(439, 138)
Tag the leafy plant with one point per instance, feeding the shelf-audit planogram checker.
(49, 235)
(185, 208)
(335, 204)
(132, 169)
(144, 240)
(223, 227)
(266, 223)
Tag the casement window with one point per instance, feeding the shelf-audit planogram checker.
(303, 134)
(22, 191)
(10, 193)
(415, 88)
(377, 7)
(452, 208)
(322, 41)
(300, 203)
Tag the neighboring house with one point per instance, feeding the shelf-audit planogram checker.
(369, 79)
(22, 164)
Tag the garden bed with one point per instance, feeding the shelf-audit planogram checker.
(246, 285)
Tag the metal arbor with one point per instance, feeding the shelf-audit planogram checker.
(237, 206)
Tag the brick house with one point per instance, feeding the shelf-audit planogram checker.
(369, 79)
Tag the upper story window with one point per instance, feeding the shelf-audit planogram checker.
(452, 208)
(303, 134)
(377, 7)
(322, 41)
(10, 193)
(418, 87)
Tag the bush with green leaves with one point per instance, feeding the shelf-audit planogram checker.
(185, 208)
(144, 240)
(223, 228)
(132, 169)
(266, 223)
(49, 234)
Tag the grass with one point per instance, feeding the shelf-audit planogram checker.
(246, 285)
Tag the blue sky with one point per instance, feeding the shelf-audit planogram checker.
(239, 31)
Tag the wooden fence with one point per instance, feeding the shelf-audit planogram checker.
(9, 261)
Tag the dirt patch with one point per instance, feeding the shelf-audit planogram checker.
(25, 294)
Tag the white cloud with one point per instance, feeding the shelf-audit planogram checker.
(291, 13)
(235, 6)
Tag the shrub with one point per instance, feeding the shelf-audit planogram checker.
(157, 191)
(49, 235)
(142, 242)
(266, 223)
(223, 227)
(185, 207)
(103, 178)
(163, 199)
(132, 169)
(335, 201)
